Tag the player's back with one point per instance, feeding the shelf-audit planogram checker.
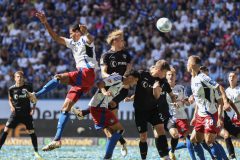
(202, 87)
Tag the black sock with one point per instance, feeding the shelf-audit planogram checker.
(174, 143)
(34, 141)
(162, 145)
(3, 138)
(85, 112)
(230, 147)
(122, 140)
(143, 149)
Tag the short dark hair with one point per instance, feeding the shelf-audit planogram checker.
(133, 73)
(162, 65)
(196, 59)
(204, 69)
(75, 27)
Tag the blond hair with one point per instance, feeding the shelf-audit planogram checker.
(19, 73)
(162, 65)
(114, 35)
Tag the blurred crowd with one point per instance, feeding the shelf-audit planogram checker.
(208, 28)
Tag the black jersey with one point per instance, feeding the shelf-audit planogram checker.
(20, 99)
(116, 61)
(144, 99)
(162, 101)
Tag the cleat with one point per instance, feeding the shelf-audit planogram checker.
(172, 156)
(31, 96)
(38, 156)
(51, 146)
(124, 150)
(77, 113)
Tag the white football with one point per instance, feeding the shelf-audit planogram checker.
(164, 25)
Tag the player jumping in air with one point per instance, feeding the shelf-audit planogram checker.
(81, 80)
(116, 60)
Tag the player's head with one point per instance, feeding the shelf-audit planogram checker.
(232, 78)
(75, 32)
(204, 70)
(171, 75)
(194, 63)
(19, 77)
(116, 39)
(131, 78)
(160, 69)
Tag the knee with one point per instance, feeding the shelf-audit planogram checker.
(67, 105)
(226, 135)
(193, 139)
(174, 133)
(143, 137)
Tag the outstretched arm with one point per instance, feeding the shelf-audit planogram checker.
(42, 17)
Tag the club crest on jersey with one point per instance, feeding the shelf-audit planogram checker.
(75, 48)
(124, 56)
(145, 84)
(111, 120)
(113, 64)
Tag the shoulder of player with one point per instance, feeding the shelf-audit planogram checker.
(238, 87)
(12, 87)
(228, 89)
(27, 85)
(106, 54)
(179, 86)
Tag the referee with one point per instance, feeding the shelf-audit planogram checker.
(21, 110)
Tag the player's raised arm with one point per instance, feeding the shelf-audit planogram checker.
(84, 31)
(42, 17)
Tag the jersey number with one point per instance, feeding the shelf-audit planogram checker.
(208, 123)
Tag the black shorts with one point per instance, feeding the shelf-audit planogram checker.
(142, 118)
(14, 120)
(120, 97)
(233, 129)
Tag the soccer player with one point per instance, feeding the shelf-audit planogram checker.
(102, 116)
(116, 60)
(208, 118)
(146, 105)
(21, 110)
(81, 80)
(178, 114)
(233, 94)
